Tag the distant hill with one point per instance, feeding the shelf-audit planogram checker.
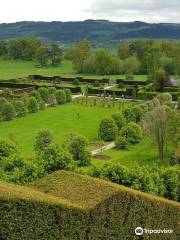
(97, 31)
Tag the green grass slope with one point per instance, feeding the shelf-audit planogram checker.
(68, 206)
(59, 120)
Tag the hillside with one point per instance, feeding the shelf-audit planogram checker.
(65, 205)
(95, 30)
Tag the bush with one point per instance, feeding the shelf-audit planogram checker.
(178, 103)
(43, 139)
(108, 130)
(3, 100)
(129, 76)
(32, 105)
(53, 158)
(121, 142)
(44, 93)
(68, 95)
(77, 146)
(7, 148)
(37, 95)
(52, 99)
(8, 111)
(133, 114)
(20, 108)
(61, 96)
(132, 133)
(119, 120)
(52, 90)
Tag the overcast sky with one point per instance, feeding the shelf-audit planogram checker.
(73, 10)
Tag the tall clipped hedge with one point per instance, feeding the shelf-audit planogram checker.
(27, 214)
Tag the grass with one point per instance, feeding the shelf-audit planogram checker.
(144, 153)
(19, 69)
(59, 120)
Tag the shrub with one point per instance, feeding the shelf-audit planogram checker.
(52, 99)
(97, 84)
(61, 96)
(132, 133)
(133, 114)
(129, 76)
(53, 158)
(121, 142)
(44, 94)
(68, 95)
(178, 103)
(37, 95)
(108, 130)
(52, 90)
(77, 146)
(3, 100)
(20, 108)
(32, 105)
(7, 148)
(43, 139)
(8, 111)
(119, 120)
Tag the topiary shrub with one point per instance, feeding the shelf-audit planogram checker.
(33, 105)
(61, 96)
(52, 90)
(20, 108)
(8, 111)
(44, 93)
(133, 114)
(108, 130)
(43, 139)
(68, 95)
(37, 95)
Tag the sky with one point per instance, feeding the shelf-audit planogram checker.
(78, 10)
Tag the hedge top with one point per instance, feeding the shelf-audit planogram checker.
(87, 191)
(72, 190)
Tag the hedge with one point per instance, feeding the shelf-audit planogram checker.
(131, 82)
(69, 206)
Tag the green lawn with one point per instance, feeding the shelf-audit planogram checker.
(60, 120)
(140, 154)
(17, 69)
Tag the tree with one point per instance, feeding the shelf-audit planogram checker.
(103, 62)
(131, 132)
(32, 105)
(42, 56)
(43, 139)
(20, 108)
(78, 146)
(8, 111)
(3, 48)
(157, 126)
(61, 96)
(56, 54)
(124, 51)
(44, 93)
(133, 114)
(108, 130)
(131, 64)
(119, 120)
(121, 142)
(68, 95)
(53, 158)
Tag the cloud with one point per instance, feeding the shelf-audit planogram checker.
(144, 10)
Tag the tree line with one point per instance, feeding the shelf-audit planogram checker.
(32, 49)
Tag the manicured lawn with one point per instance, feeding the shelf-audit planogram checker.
(17, 69)
(144, 153)
(60, 120)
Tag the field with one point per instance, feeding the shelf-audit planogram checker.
(18, 69)
(60, 120)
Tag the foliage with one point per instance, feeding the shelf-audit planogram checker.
(8, 111)
(108, 130)
(32, 105)
(68, 95)
(20, 108)
(37, 95)
(61, 96)
(119, 120)
(78, 146)
(121, 142)
(56, 54)
(44, 93)
(42, 56)
(43, 139)
(131, 132)
(133, 114)
(65, 205)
